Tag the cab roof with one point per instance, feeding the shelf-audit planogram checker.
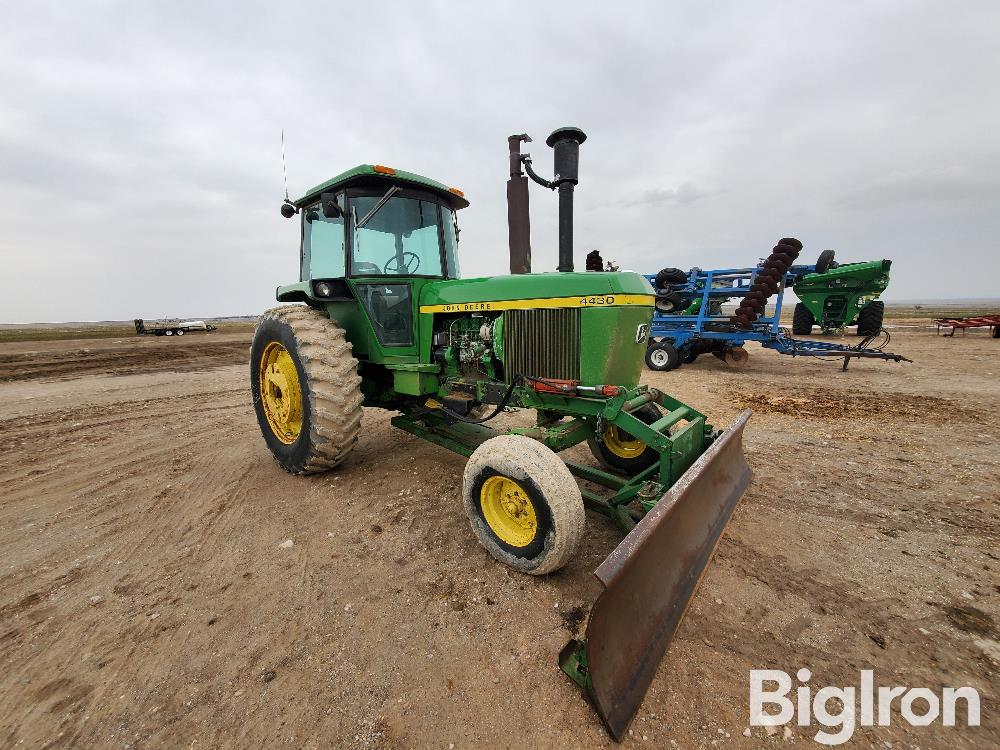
(375, 174)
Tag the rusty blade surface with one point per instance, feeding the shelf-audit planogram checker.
(652, 576)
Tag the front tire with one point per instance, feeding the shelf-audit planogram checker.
(619, 451)
(523, 504)
(306, 389)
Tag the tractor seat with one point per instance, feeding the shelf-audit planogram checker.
(363, 268)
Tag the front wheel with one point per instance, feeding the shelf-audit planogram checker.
(523, 504)
(662, 357)
(620, 451)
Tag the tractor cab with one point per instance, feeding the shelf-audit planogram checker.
(376, 235)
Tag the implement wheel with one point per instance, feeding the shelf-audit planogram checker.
(524, 505)
(662, 357)
(668, 276)
(619, 451)
(306, 389)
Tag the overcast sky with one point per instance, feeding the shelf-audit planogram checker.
(140, 162)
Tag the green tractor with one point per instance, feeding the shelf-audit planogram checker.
(836, 296)
(382, 320)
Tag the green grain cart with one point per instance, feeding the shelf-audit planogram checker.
(382, 320)
(841, 295)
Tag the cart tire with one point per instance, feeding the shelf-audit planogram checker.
(168, 333)
(870, 318)
(180, 331)
(662, 357)
(690, 356)
(824, 261)
(632, 456)
(802, 320)
(524, 506)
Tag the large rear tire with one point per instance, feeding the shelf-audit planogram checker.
(523, 504)
(802, 320)
(306, 389)
(870, 318)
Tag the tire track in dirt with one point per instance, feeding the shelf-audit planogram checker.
(129, 358)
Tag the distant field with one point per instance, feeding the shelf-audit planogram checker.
(55, 332)
(103, 330)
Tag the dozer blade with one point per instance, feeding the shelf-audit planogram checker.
(650, 579)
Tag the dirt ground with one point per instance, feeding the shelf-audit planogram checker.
(165, 584)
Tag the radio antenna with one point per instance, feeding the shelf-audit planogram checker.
(284, 169)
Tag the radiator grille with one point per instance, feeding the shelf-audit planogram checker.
(542, 343)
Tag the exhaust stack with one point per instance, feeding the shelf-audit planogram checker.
(565, 143)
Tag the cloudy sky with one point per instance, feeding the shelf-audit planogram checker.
(140, 162)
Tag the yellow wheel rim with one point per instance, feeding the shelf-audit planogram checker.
(509, 511)
(622, 444)
(280, 393)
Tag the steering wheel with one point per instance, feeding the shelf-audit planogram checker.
(402, 264)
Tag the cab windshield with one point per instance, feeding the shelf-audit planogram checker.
(394, 235)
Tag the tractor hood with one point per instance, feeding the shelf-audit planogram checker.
(537, 290)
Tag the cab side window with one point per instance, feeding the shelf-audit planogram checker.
(322, 245)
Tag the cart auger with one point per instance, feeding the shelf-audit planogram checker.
(386, 322)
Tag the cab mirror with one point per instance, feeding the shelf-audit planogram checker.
(288, 210)
(330, 208)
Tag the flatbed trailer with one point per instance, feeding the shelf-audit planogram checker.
(166, 328)
(702, 328)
